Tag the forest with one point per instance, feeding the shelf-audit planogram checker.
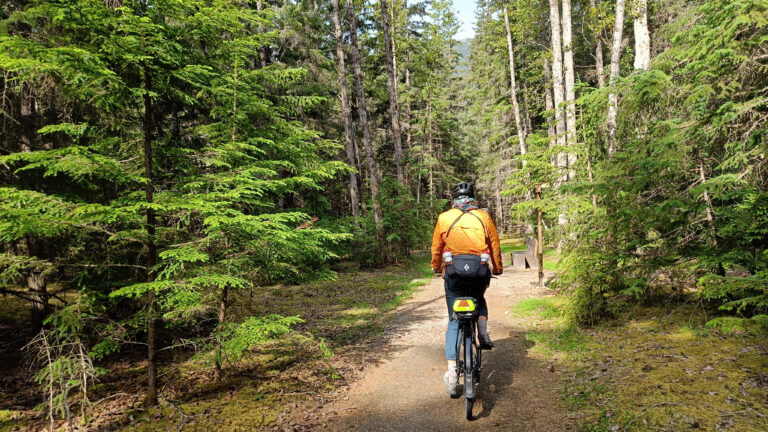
(197, 195)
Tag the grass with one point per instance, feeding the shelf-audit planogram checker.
(658, 368)
(509, 245)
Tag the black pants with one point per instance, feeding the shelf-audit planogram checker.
(457, 287)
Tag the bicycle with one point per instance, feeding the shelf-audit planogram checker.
(470, 363)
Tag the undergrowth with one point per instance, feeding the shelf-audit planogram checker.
(668, 367)
(270, 382)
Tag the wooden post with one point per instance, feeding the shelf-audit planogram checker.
(541, 237)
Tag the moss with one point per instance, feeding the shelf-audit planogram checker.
(11, 420)
(660, 369)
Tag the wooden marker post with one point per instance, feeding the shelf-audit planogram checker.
(541, 244)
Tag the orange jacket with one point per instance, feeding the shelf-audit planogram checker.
(468, 236)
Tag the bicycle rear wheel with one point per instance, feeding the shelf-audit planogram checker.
(469, 367)
(470, 404)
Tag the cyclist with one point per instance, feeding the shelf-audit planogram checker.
(465, 233)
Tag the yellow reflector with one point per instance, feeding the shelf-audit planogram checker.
(463, 305)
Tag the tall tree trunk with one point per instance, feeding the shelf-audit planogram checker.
(362, 110)
(38, 292)
(642, 36)
(570, 83)
(549, 106)
(557, 80)
(152, 321)
(408, 119)
(262, 50)
(513, 89)
(599, 66)
(36, 282)
(222, 319)
(613, 98)
(526, 111)
(360, 169)
(427, 121)
(394, 113)
(27, 118)
(354, 194)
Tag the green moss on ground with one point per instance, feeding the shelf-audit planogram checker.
(11, 420)
(658, 369)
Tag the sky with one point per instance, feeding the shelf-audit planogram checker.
(465, 11)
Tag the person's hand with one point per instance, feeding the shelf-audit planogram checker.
(437, 272)
(498, 273)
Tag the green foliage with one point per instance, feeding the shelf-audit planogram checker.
(238, 339)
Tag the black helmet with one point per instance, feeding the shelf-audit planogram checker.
(464, 189)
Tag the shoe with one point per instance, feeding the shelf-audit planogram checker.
(451, 381)
(485, 342)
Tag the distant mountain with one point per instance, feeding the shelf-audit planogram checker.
(462, 49)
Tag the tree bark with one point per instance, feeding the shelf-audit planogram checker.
(513, 90)
(262, 50)
(27, 118)
(549, 106)
(570, 91)
(642, 36)
(557, 79)
(526, 111)
(394, 110)
(354, 194)
(427, 123)
(362, 110)
(222, 318)
(38, 292)
(613, 98)
(36, 281)
(152, 322)
(599, 66)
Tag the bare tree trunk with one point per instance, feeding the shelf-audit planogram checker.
(703, 179)
(408, 119)
(345, 110)
(549, 105)
(599, 66)
(394, 113)
(557, 80)
(613, 98)
(27, 118)
(570, 83)
(360, 169)
(642, 36)
(38, 292)
(222, 318)
(513, 89)
(526, 111)
(152, 323)
(36, 283)
(362, 110)
(427, 121)
(262, 50)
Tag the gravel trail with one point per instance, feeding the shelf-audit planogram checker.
(403, 390)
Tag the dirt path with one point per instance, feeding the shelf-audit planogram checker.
(404, 391)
